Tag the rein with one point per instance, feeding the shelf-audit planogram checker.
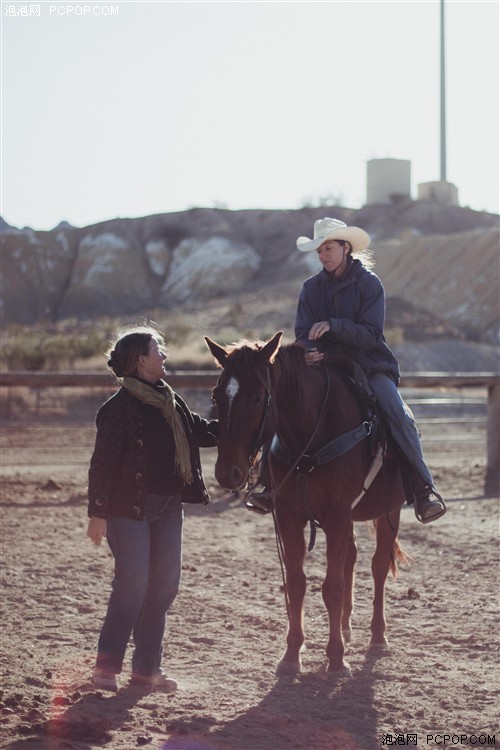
(294, 463)
(303, 464)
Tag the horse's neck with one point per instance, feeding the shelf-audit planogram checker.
(323, 409)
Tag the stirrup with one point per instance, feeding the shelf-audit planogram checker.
(259, 502)
(438, 504)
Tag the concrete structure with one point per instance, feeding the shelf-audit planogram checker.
(440, 191)
(387, 180)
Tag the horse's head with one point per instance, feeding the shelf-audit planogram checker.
(241, 396)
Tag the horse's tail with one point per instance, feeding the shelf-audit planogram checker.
(398, 557)
(397, 554)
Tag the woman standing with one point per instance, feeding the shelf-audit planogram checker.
(342, 310)
(145, 464)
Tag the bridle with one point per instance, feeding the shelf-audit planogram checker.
(257, 441)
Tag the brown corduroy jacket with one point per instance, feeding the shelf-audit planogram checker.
(117, 473)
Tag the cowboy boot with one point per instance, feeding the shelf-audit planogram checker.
(428, 503)
(260, 502)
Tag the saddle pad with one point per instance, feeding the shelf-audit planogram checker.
(374, 469)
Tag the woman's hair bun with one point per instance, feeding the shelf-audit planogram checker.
(113, 364)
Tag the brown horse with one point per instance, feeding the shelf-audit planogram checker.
(264, 389)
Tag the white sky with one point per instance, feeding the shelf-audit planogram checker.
(162, 106)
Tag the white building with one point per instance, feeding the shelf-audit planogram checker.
(387, 180)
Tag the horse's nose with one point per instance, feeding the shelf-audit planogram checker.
(231, 478)
(236, 477)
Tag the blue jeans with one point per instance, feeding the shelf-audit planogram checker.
(147, 575)
(402, 425)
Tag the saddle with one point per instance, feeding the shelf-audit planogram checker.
(380, 438)
(355, 378)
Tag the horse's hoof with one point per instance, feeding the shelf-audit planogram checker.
(382, 646)
(338, 673)
(380, 641)
(288, 668)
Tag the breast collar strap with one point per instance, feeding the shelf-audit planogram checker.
(335, 448)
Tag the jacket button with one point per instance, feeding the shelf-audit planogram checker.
(140, 443)
(136, 510)
(99, 502)
(138, 476)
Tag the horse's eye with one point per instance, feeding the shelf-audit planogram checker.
(257, 399)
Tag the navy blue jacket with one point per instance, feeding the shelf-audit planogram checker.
(355, 308)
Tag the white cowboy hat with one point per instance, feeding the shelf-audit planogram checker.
(333, 229)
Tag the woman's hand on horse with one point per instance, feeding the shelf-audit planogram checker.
(96, 529)
(313, 356)
(318, 329)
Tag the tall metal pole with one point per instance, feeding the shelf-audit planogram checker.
(443, 100)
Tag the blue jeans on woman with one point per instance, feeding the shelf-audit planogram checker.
(403, 427)
(147, 575)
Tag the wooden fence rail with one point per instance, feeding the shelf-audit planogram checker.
(206, 379)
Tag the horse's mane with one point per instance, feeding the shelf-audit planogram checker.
(242, 364)
(241, 360)
(293, 369)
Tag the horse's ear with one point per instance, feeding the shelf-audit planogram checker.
(270, 350)
(218, 351)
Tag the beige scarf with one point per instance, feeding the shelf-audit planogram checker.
(165, 402)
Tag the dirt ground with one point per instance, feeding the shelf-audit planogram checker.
(225, 633)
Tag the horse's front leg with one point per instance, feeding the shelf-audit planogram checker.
(337, 544)
(291, 529)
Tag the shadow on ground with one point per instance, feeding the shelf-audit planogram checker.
(313, 710)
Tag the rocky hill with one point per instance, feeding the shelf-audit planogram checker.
(439, 266)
